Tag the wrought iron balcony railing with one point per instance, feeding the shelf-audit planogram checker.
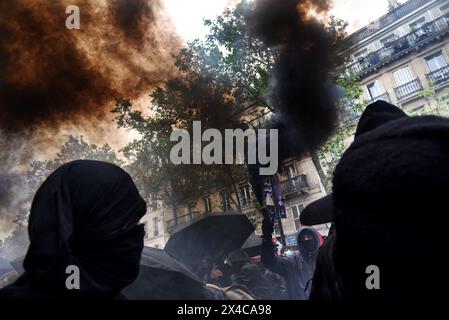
(386, 20)
(397, 48)
(408, 90)
(439, 76)
(295, 184)
(246, 202)
(384, 96)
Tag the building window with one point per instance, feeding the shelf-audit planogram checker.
(375, 89)
(291, 171)
(207, 204)
(190, 212)
(417, 24)
(145, 227)
(361, 54)
(436, 61)
(387, 40)
(156, 226)
(293, 178)
(444, 8)
(296, 213)
(153, 202)
(225, 198)
(245, 196)
(403, 76)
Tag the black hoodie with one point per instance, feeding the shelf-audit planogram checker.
(297, 270)
(389, 186)
(85, 214)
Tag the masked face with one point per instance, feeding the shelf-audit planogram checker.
(307, 241)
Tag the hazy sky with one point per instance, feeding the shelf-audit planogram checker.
(359, 13)
(188, 15)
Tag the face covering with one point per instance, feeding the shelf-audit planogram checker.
(86, 215)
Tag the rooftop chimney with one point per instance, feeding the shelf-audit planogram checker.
(392, 4)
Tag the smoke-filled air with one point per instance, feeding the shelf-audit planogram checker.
(55, 82)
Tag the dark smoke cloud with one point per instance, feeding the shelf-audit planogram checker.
(131, 16)
(300, 90)
(50, 75)
(55, 81)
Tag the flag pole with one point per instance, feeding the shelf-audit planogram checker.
(277, 211)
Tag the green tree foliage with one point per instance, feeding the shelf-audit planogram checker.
(332, 151)
(16, 243)
(350, 106)
(436, 102)
(221, 75)
(232, 57)
(75, 148)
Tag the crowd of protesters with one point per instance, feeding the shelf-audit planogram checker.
(388, 209)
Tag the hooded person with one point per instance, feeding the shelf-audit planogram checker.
(84, 222)
(389, 186)
(375, 115)
(325, 284)
(297, 270)
(309, 242)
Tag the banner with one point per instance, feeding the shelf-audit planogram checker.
(269, 197)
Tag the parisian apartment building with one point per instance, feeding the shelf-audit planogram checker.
(403, 56)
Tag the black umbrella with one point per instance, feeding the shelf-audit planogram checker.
(252, 245)
(209, 237)
(163, 277)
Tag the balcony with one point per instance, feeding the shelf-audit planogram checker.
(246, 203)
(396, 49)
(295, 184)
(385, 97)
(439, 76)
(408, 90)
(386, 20)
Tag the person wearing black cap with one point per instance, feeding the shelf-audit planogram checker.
(322, 210)
(376, 114)
(389, 185)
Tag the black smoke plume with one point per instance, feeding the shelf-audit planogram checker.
(52, 78)
(301, 91)
(51, 75)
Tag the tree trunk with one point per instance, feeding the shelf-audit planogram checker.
(317, 164)
(170, 200)
(175, 213)
(234, 186)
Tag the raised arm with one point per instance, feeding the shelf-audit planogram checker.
(268, 258)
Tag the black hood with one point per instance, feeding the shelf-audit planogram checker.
(389, 185)
(85, 214)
